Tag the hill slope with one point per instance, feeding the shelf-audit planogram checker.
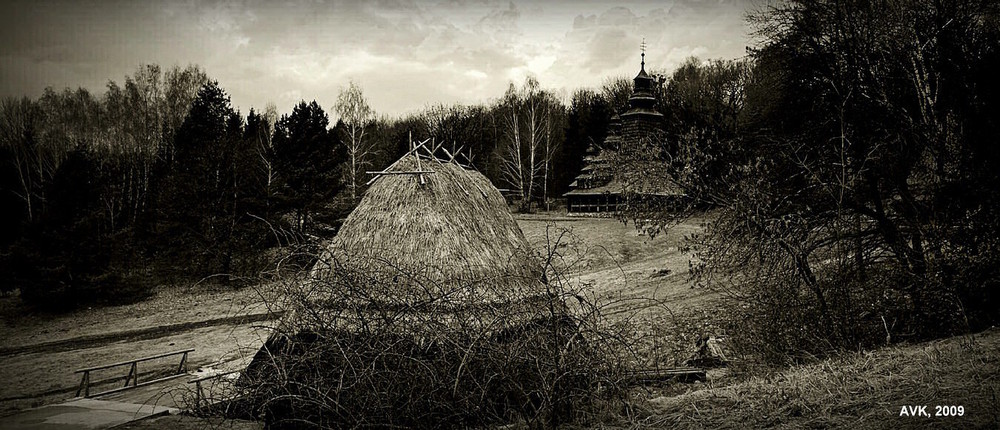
(865, 390)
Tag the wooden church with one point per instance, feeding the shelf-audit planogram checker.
(600, 187)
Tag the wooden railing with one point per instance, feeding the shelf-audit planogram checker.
(133, 373)
(684, 374)
(199, 393)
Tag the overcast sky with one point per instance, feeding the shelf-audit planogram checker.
(404, 54)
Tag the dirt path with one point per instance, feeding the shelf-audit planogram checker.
(21, 325)
(41, 352)
(91, 341)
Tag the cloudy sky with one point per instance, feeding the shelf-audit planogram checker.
(405, 54)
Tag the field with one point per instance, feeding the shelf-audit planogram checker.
(616, 261)
(41, 351)
(631, 274)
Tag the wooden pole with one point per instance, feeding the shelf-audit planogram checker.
(400, 172)
(451, 156)
(419, 167)
(131, 374)
(442, 166)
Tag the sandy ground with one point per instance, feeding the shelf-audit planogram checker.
(33, 379)
(81, 414)
(182, 422)
(170, 305)
(612, 260)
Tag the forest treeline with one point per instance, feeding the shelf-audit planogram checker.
(159, 179)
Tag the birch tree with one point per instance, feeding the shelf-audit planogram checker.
(16, 135)
(266, 145)
(356, 115)
(511, 164)
(525, 116)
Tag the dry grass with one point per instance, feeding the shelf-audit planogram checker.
(428, 308)
(351, 360)
(860, 390)
(639, 282)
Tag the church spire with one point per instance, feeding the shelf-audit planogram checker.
(642, 47)
(642, 101)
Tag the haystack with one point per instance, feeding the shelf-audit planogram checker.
(447, 243)
(431, 245)
(428, 308)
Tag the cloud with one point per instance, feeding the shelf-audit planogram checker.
(405, 54)
(501, 21)
(607, 43)
(616, 17)
(609, 48)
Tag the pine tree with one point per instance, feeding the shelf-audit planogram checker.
(207, 194)
(307, 158)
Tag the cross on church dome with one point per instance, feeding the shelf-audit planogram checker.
(642, 48)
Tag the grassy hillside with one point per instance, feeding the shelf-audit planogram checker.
(860, 391)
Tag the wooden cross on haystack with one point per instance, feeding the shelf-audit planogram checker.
(421, 150)
(420, 172)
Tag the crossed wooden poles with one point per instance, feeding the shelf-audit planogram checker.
(427, 152)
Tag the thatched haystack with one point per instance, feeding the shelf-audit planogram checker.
(451, 238)
(428, 308)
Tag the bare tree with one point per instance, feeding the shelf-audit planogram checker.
(511, 164)
(525, 117)
(139, 120)
(354, 111)
(16, 129)
(535, 111)
(435, 118)
(554, 115)
(270, 119)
